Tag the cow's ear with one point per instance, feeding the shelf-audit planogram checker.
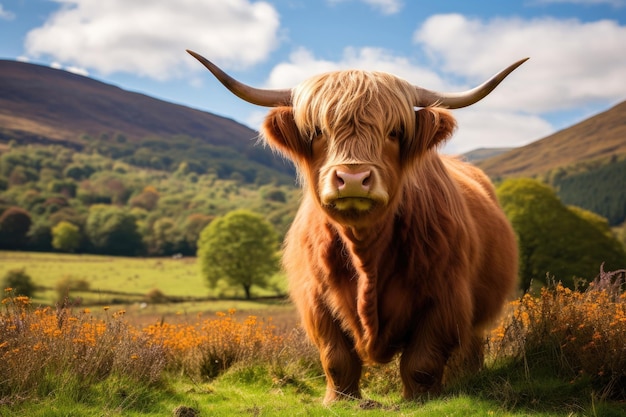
(281, 133)
(433, 126)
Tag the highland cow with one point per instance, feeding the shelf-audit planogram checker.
(396, 248)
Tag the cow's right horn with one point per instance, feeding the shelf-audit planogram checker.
(465, 98)
(258, 96)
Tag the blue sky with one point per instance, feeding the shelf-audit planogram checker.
(577, 50)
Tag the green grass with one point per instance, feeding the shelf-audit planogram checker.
(254, 390)
(175, 277)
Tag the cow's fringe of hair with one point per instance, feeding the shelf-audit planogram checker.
(349, 97)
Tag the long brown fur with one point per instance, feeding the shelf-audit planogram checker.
(425, 269)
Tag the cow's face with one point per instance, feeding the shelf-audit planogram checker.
(353, 135)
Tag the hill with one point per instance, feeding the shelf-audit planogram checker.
(43, 105)
(484, 153)
(600, 137)
(585, 163)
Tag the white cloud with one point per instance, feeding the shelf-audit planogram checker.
(149, 38)
(5, 14)
(572, 63)
(385, 6)
(479, 127)
(255, 119)
(77, 70)
(303, 64)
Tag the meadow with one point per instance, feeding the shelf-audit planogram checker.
(558, 353)
(129, 281)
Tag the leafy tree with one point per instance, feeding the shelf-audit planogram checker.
(79, 172)
(147, 199)
(164, 238)
(240, 249)
(19, 281)
(21, 175)
(113, 230)
(193, 226)
(66, 188)
(39, 235)
(66, 236)
(14, 225)
(566, 243)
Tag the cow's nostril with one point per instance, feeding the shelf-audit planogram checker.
(366, 181)
(353, 181)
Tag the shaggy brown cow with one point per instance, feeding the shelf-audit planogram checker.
(395, 248)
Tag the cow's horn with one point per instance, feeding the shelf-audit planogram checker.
(258, 96)
(466, 98)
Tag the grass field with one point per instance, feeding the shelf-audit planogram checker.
(126, 282)
(560, 354)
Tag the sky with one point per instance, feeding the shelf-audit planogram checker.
(577, 51)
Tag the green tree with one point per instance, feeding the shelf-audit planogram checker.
(66, 236)
(164, 238)
(192, 227)
(113, 230)
(147, 199)
(554, 239)
(14, 225)
(239, 249)
(19, 281)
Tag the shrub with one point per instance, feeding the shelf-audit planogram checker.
(68, 284)
(576, 334)
(156, 296)
(51, 350)
(20, 282)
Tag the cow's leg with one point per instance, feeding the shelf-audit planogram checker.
(467, 359)
(421, 369)
(340, 361)
(473, 353)
(438, 333)
(342, 367)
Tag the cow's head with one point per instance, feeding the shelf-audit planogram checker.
(353, 133)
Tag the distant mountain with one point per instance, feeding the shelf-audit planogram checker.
(484, 153)
(43, 105)
(601, 137)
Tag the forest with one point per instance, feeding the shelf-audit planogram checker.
(598, 187)
(124, 198)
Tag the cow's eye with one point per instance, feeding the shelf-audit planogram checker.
(315, 133)
(396, 134)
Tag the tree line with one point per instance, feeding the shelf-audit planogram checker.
(56, 198)
(597, 186)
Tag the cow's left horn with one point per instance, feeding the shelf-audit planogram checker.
(258, 96)
(466, 98)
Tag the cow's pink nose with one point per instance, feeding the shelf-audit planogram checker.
(353, 182)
